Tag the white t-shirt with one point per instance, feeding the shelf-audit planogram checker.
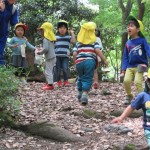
(98, 40)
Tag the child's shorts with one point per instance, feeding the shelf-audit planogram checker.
(147, 135)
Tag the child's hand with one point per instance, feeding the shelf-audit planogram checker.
(105, 63)
(117, 120)
(2, 5)
(122, 74)
(71, 31)
(39, 51)
(15, 45)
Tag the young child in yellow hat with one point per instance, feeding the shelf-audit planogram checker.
(134, 57)
(64, 38)
(46, 31)
(141, 101)
(84, 54)
(18, 45)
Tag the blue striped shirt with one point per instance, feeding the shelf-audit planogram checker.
(62, 45)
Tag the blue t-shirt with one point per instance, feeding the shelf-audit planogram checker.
(135, 53)
(142, 101)
(62, 45)
(19, 41)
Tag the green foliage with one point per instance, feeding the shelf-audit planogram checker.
(8, 90)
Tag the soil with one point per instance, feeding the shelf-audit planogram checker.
(61, 107)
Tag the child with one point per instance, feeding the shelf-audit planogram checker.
(18, 45)
(7, 16)
(46, 31)
(135, 55)
(142, 101)
(98, 40)
(63, 40)
(84, 54)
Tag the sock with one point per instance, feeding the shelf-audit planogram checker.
(84, 95)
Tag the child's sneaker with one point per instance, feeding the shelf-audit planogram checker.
(84, 99)
(128, 99)
(48, 87)
(95, 85)
(59, 83)
(66, 83)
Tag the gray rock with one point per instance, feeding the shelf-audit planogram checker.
(86, 129)
(120, 129)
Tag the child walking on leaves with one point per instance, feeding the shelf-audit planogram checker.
(46, 31)
(18, 45)
(84, 54)
(134, 61)
(98, 40)
(141, 101)
(63, 40)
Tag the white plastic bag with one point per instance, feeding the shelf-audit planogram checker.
(38, 58)
(23, 50)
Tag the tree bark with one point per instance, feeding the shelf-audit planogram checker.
(141, 8)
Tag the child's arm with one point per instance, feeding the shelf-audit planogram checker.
(74, 56)
(11, 44)
(30, 46)
(100, 54)
(14, 18)
(73, 39)
(125, 114)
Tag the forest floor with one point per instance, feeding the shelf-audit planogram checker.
(62, 108)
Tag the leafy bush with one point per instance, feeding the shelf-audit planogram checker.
(8, 90)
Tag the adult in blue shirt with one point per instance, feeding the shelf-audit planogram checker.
(7, 16)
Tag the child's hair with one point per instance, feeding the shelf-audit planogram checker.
(135, 22)
(61, 24)
(97, 32)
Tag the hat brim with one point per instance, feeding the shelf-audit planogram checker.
(25, 27)
(39, 28)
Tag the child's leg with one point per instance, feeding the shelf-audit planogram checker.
(58, 68)
(65, 65)
(49, 70)
(95, 84)
(129, 75)
(147, 135)
(138, 81)
(86, 77)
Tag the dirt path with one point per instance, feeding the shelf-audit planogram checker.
(61, 107)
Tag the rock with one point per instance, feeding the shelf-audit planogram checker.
(120, 129)
(129, 147)
(86, 129)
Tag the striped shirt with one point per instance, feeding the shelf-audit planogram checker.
(62, 45)
(85, 52)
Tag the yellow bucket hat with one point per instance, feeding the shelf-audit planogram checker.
(148, 74)
(48, 31)
(86, 34)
